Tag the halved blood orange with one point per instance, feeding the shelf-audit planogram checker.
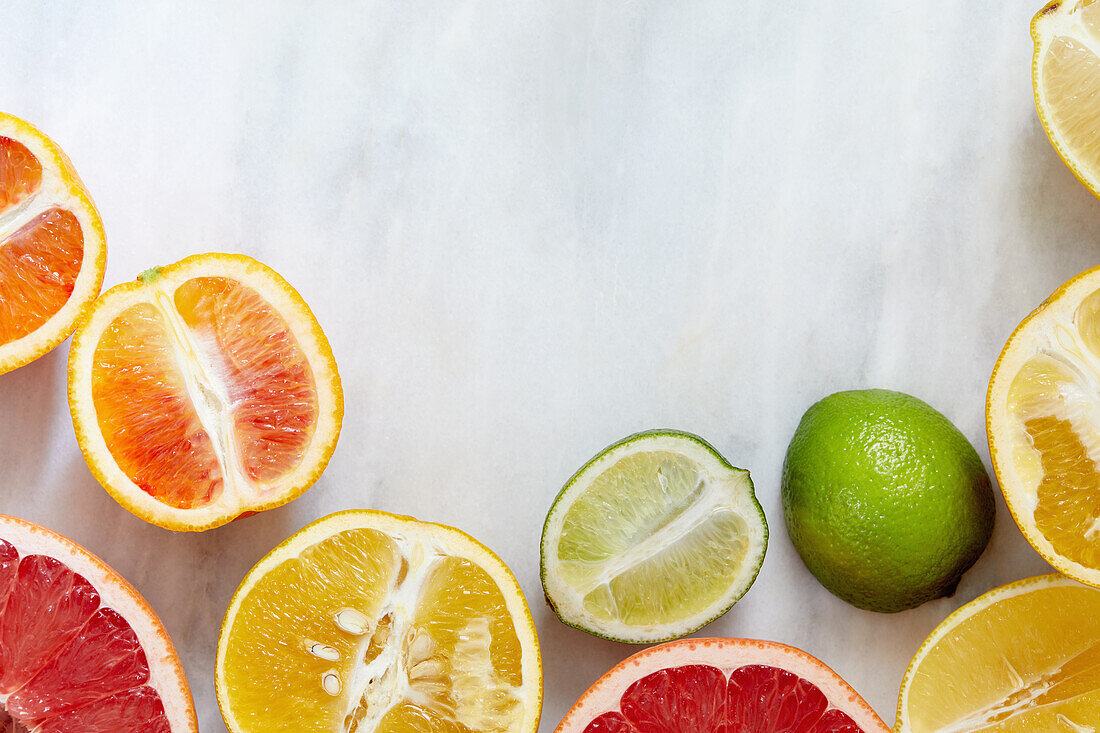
(52, 248)
(721, 686)
(80, 649)
(203, 391)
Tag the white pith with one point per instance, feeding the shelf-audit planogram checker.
(726, 655)
(1028, 689)
(1064, 21)
(387, 679)
(1050, 330)
(722, 489)
(207, 391)
(165, 673)
(53, 191)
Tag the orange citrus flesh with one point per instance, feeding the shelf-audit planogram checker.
(459, 649)
(52, 247)
(268, 378)
(39, 264)
(1027, 662)
(20, 173)
(146, 414)
(246, 364)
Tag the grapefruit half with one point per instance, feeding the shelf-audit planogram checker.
(721, 686)
(80, 649)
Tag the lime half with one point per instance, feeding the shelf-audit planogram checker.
(652, 539)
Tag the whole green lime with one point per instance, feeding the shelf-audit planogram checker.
(885, 500)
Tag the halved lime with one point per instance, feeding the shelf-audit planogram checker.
(652, 539)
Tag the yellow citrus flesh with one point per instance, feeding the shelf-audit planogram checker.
(1043, 414)
(367, 622)
(1022, 658)
(52, 250)
(203, 391)
(1066, 80)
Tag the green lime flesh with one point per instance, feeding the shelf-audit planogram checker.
(652, 539)
(885, 500)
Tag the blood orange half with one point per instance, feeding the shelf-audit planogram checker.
(80, 650)
(203, 391)
(721, 686)
(52, 248)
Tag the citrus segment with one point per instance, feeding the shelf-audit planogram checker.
(1043, 419)
(651, 539)
(139, 710)
(1023, 657)
(20, 173)
(203, 391)
(79, 650)
(52, 248)
(373, 623)
(719, 686)
(146, 415)
(267, 378)
(39, 265)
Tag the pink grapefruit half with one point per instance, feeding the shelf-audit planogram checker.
(721, 686)
(80, 649)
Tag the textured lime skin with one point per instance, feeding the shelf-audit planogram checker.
(885, 500)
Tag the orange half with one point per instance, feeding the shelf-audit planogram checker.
(203, 391)
(52, 247)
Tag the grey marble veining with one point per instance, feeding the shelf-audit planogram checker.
(532, 228)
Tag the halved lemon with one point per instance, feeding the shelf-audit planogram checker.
(1043, 420)
(1024, 657)
(1066, 81)
(652, 539)
(203, 391)
(366, 622)
(52, 247)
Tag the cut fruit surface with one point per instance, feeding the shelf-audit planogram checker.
(1024, 657)
(653, 538)
(80, 650)
(1043, 420)
(1066, 82)
(204, 390)
(365, 621)
(721, 686)
(52, 247)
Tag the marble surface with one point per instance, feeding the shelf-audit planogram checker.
(532, 228)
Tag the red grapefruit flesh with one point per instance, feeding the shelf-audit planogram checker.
(79, 649)
(721, 686)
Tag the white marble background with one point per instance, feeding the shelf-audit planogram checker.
(531, 228)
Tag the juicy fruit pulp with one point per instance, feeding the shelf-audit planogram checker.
(67, 662)
(203, 392)
(367, 631)
(41, 246)
(885, 500)
(1027, 660)
(1067, 77)
(1053, 401)
(617, 566)
(657, 535)
(755, 698)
